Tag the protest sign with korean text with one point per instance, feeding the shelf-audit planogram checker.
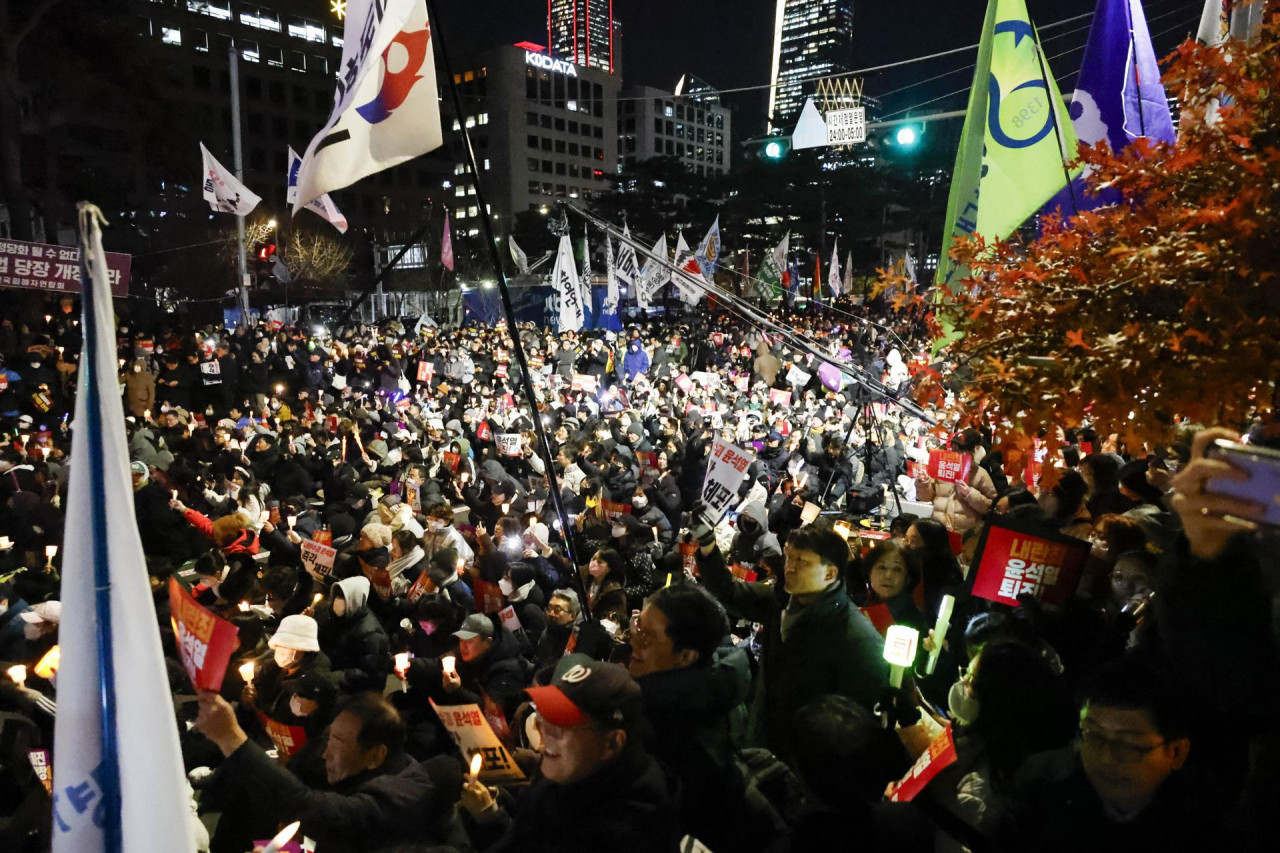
(583, 382)
(379, 579)
(40, 266)
(946, 466)
(797, 377)
(471, 731)
(286, 738)
(779, 397)
(726, 470)
(1011, 560)
(39, 759)
(940, 755)
(204, 641)
(509, 443)
(317, 557)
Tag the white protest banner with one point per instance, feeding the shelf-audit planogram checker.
(221, 189)
(725, 473)
(509, 443)
(471, 732)
(511, 621)
(317, 558)
(564, 279)
(796, 376)
(652, 275)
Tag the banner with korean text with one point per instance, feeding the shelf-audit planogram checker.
(40, 266)
(1014, 560)
(726, 470)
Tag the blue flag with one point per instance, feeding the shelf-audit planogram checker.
(1118, 97)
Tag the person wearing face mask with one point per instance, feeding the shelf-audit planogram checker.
(358, 646)
(38, 633)
(295, 652)
(651, 517)
(753, 540)
(140, 389)
(441, 534)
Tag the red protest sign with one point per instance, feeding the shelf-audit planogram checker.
(500, 372)
(949, 467)
(425, 370)
(419, 588)
(779, 397)
(613, 509)
(1012, 562)
(483, 432)
(287, 739)
(684, 383)
(647, 459)
(489, 598)
(689, 557)
(940, 755)
(205, 642)
(451, 461)
(379, 579)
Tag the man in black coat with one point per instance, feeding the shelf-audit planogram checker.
(379, 796)
(489, 670)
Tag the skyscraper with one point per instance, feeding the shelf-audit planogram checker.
(582, 32)
(810, 38)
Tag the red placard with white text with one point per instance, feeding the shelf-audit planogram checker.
(205, 642)
(1011, 562)
(949, 467)
(779, 397)
(940, 755)
(287, 739)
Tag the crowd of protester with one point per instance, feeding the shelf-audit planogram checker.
(663, 682)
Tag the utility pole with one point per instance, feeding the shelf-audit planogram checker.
(237, 152)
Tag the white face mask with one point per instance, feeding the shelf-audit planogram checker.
(31, 631)
(285, 657)
(233, 490)
(961, 703)
(640, 503)
(619, 531)
(295, 707)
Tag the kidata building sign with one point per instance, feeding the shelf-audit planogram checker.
(558, 66)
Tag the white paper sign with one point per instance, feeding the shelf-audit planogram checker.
(317, 558)
(725, 472)
(509, 443)
(471, 731)
(797, 377)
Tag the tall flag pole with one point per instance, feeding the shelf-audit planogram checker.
(117, 765)
(386, 109)
(1014, 145)
(833, 271)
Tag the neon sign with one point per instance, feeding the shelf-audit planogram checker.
(558, 66)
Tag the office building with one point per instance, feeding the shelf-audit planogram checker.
(692, 127)
(583, 32)
(811, 38)
(544, 129)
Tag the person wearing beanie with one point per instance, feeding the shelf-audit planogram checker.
(295, 652)
(355, 640)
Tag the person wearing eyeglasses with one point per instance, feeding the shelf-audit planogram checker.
(1126, 784)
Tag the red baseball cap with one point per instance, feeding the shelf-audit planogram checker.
(584, 688)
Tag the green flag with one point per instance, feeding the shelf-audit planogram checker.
(1017, 136)
(769, 285)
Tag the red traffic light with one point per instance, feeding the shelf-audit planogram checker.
(266, 251)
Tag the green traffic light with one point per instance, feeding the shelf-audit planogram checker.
(906, 136)
(774, 150)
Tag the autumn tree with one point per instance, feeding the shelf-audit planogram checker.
(1165, 306)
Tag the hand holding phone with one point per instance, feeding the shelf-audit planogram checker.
(1210, 517)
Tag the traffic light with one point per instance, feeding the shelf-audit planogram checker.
(266, 251)
(774, 149)
(905, 137)
(770, 149)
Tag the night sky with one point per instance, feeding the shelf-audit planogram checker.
(727, 42)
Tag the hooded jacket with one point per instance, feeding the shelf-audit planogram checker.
(749, 548)
(635, 362)
(356, 643)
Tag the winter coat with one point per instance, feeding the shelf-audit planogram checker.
(635, 362)
(766, 365)
(588, 639)
(497, 674)
(960, 514)
(626, 806)
(750, 548)
(140, 392)
(356, 642)
(830, 647)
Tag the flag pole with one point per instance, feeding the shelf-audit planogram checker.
(377, 281)
(1057, 130)
(237, 152)
(486, 222)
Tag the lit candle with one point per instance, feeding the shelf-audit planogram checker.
(477, 762)
(246, 672)
(146, 414)
(293, 519)
(505, 508)
(17, 674)
(5, 543)
(449, 664)
(50, 551)
(25, 438)
(175, 494)
(282, 838)
(402, 670)
(464, 476)
(279, 389)
(244, 606)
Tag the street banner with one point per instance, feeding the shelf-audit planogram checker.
(322, 206)
(40, 266)
(318, 557)
(1013, 560)
(653, 275)
(509, 443)
(386, 108)
(564, 280)
(205, 642)
(470, 730)
(1118, 96)
(1016, 138)
(287, 739)
(446, 243)
(846, 286)
(726, 470)
(118, 766)
(222, 190)
(709, 251)
(949, 467)
(940, 755)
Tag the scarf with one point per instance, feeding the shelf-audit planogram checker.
(397, 567)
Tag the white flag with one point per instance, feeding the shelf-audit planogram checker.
(224, 193)
(652, 275)
(322, 206)
(686, 262)
(564, 279)
(846, 287)
(833, 271)
(386, 108)
(117, 774)
(909, 267)
(626, 268)
(611, 297)
(518, 255)
(709, 250)
(584, 280)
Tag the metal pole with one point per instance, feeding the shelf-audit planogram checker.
(548, 458)
(237, 154)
